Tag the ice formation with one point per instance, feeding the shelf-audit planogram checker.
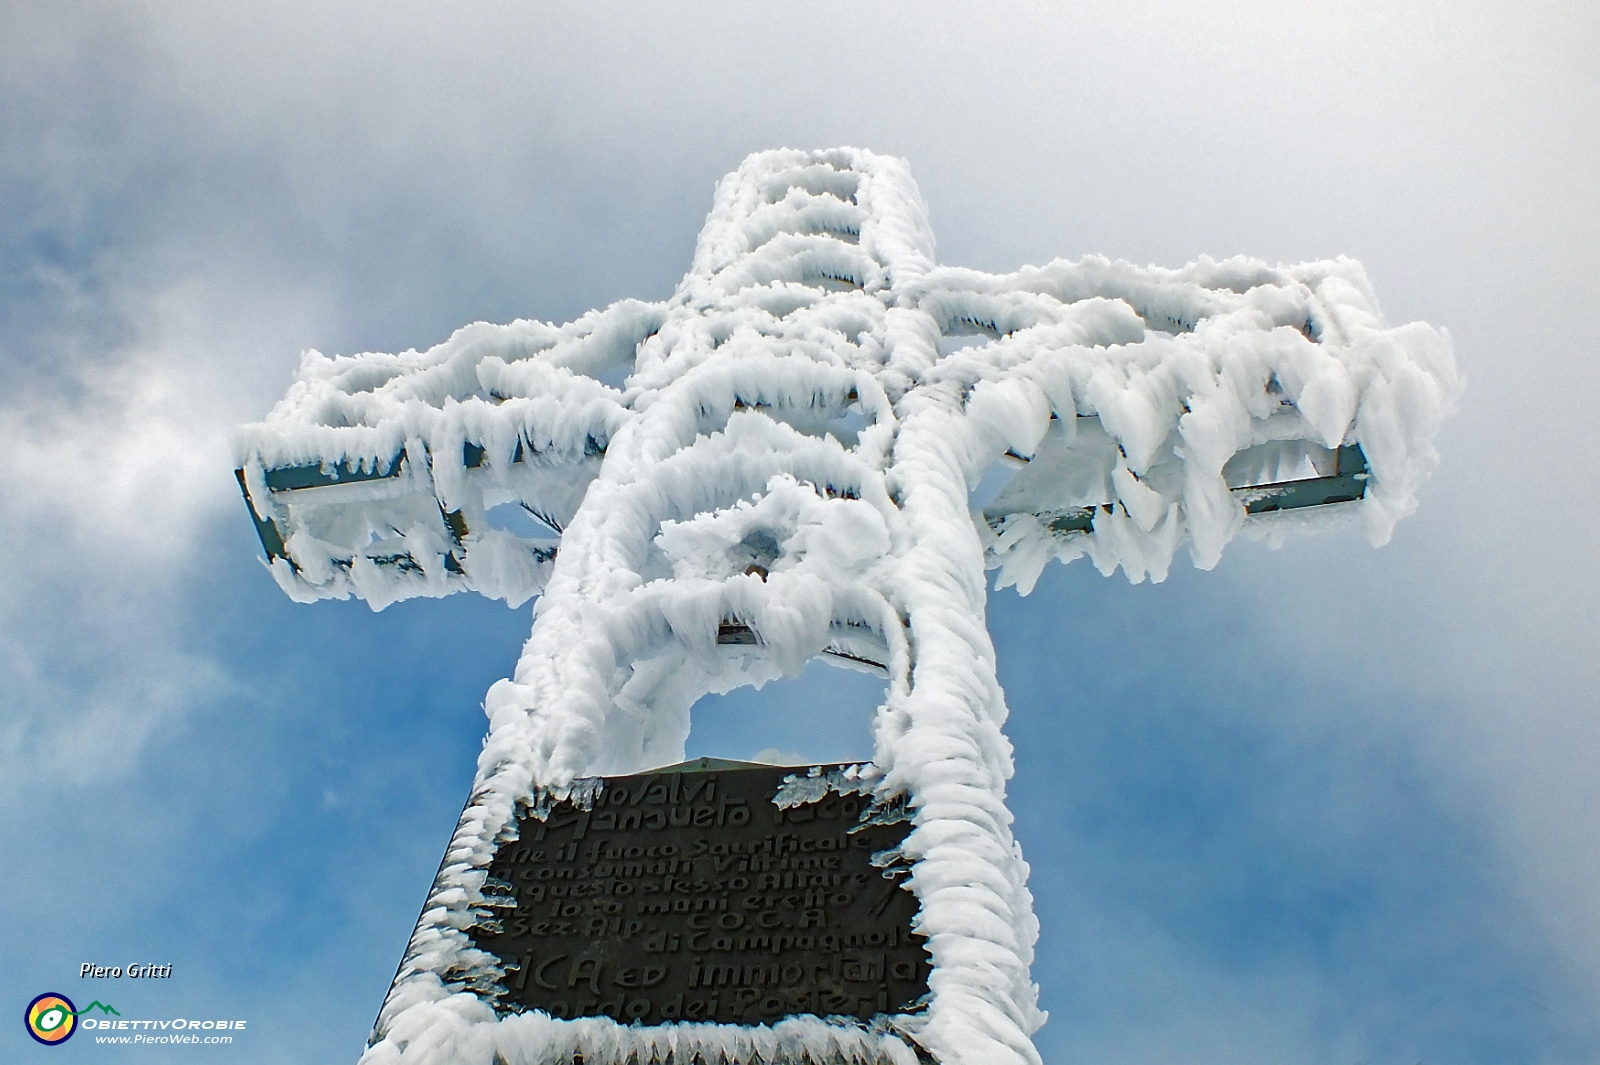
(780, 461)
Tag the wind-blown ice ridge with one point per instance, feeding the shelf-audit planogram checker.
(790, 443)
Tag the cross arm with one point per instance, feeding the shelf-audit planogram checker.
(1135, 409)
(388, 476)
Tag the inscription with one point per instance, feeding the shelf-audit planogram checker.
(693, 896)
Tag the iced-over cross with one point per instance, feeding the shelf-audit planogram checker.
(779, 462)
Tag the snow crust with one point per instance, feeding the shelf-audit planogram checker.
(791, 443)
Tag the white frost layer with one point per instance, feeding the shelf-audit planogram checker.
(460, 1028)
(791, 442)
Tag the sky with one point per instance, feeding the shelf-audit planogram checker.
(1321, 804)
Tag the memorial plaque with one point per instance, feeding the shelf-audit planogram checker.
(702, 893)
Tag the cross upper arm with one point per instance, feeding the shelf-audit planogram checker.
(1143, 408)
(376, 474)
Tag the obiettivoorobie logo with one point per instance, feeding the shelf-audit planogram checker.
(52, 1018)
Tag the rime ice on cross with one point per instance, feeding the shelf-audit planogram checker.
(778, 463)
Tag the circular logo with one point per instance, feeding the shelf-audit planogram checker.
(52, 1018)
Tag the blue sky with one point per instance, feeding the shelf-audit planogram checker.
(1320, 804)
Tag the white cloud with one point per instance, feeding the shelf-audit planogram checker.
(117, 470)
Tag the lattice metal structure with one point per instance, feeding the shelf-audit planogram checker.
(817, 446)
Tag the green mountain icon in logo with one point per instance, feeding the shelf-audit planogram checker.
(93, 1005)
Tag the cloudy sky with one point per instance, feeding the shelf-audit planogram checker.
(1322, 804)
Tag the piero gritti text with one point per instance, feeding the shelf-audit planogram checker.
(90, 971)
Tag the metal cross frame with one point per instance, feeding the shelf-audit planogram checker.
(796, 455)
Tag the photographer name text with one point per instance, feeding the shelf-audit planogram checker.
(90, 971)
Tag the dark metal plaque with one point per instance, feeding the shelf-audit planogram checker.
(690, 895)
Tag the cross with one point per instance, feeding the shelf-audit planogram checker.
(815, 447)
